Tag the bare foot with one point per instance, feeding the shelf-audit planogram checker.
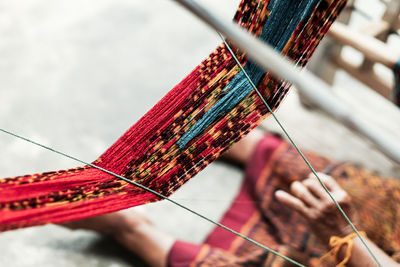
(108, 224)
(135, 232)
(241, 152)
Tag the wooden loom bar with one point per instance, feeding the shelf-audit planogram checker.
(371, 42)
(369, 77)
(390, 16)
(376, 28)
(372, 48)
(312, 87)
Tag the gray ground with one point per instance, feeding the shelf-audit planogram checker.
(76, 74)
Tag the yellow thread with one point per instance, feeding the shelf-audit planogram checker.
(336, 243)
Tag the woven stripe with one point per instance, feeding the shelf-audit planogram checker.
(148, 152)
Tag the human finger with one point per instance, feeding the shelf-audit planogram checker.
(327, 180)
(300, 191)
(315, 187)
(291, 202)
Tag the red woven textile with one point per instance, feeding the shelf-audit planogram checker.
(148, 152)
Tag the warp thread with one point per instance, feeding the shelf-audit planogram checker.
(288, 13)
(148, 152)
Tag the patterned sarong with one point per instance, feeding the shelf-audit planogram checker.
(256, 213)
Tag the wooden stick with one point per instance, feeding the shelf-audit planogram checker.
(376, 28)
(312, 87)
(368, 77)
(372, 48)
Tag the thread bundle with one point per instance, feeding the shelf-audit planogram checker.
(200, 118)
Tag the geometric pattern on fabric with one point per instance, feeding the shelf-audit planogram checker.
(155, 151)
(256, 213)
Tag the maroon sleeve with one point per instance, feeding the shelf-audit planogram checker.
(182, 254)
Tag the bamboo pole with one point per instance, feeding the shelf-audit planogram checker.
(312, 87)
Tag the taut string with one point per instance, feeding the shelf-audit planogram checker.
(312, 87)
(205, 158)
(157, 194)
(301, 153)
(194, 116)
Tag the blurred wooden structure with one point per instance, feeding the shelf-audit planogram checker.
(371, 41)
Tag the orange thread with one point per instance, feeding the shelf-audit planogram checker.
(336, 243)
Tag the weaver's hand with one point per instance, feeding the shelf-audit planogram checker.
(311, 200)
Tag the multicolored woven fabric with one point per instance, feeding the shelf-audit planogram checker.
(256, 213)
(213, 107)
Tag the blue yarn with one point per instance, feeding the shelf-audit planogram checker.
(273, 27)
(307, 6)
(241, 89)
(396, 68)
(396, 91)
(283, 20)
(276, 34)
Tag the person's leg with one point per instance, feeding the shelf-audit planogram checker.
(137, 234)
(240, 153)
(134, 232)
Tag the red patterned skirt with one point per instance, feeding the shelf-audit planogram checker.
(256, 213)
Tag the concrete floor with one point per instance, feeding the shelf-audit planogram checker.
(75, 75)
